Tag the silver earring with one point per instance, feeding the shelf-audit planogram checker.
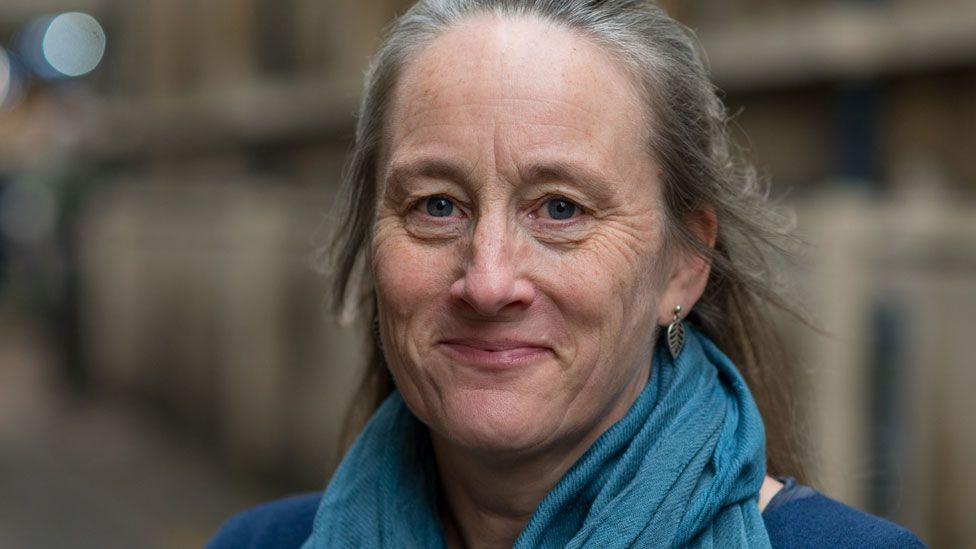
(676, 334)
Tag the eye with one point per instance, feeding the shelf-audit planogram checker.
(560, 209)
(439, 206)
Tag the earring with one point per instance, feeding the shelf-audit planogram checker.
(676, 334)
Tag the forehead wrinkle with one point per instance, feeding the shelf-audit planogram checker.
(425, 108)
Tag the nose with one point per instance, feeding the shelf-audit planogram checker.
(492, 282)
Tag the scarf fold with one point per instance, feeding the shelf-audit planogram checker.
(683, 468)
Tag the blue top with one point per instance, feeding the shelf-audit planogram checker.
(797, 517)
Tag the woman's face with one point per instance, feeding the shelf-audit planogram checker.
(517, 251)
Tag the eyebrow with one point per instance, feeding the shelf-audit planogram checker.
(432, 167)
(573, 172)
(581, 175)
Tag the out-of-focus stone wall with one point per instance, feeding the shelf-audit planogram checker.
(202, 298)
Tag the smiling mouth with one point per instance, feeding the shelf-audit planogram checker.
(494, 355)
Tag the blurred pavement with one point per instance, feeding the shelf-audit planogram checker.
(83, 474)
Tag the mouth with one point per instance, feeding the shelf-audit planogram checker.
(498, 354)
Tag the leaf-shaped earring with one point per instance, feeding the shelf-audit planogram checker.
(676, 334)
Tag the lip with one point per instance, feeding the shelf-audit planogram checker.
(496, 354)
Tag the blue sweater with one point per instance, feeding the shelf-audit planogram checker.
(796, 517)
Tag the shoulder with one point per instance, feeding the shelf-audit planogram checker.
(818, 521)
(284, 524)
(811, 520)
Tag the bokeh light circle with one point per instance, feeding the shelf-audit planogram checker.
(73, 43)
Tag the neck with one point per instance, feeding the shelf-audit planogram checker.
(489, 498)
(489, 503)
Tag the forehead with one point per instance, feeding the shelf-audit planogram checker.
(508, 72)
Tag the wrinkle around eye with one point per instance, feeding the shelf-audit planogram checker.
(563, 234)
(421, 224)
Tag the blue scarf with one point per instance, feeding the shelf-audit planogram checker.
(682, 468)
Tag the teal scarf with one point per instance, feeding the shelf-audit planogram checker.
(682, 468)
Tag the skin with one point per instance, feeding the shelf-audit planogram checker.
(519, 338)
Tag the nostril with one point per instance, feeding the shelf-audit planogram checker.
(491, 293)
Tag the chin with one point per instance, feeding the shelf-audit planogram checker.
(495, 420)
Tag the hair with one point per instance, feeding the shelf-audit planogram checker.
(690, 141)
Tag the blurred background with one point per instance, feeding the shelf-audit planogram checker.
(167, 168)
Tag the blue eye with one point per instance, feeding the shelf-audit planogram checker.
(438, 206)
(561, 209)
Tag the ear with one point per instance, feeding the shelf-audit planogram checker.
(690, 275)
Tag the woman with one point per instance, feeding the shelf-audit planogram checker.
(565, 269)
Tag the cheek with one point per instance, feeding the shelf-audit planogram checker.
(407, 274)
(412, 282)
(613, 270)
(608, 292)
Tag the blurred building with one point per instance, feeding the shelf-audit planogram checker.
(160, 216)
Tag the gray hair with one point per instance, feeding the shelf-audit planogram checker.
(689, 140)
